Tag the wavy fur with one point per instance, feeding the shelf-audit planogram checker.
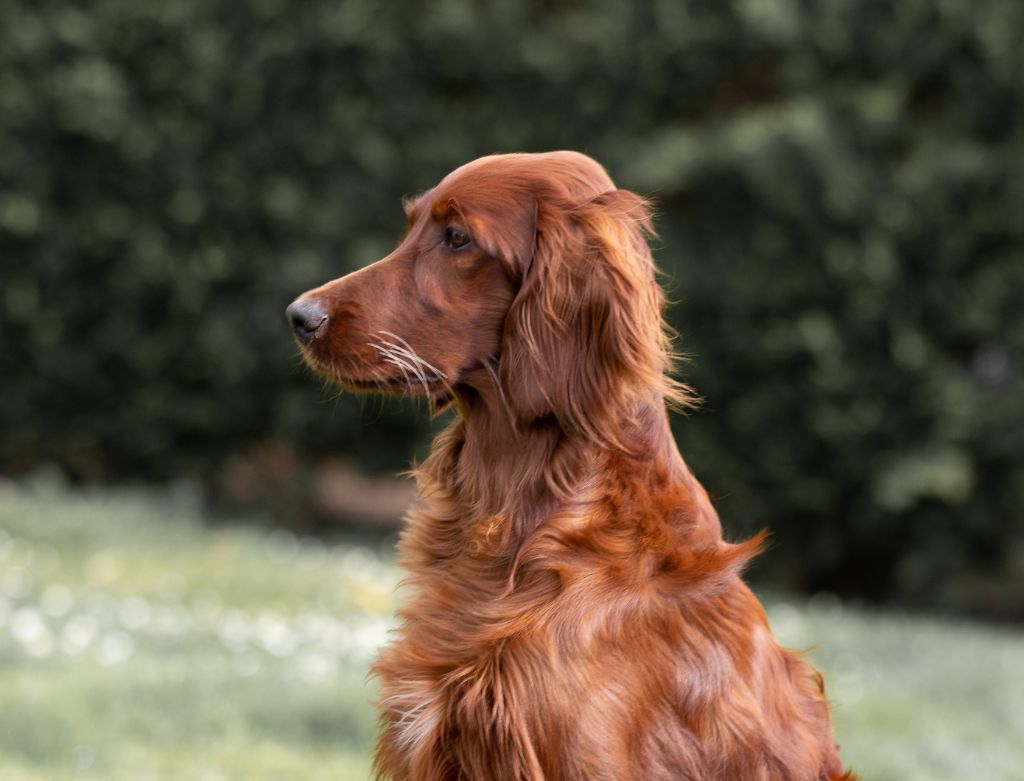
(574, 612)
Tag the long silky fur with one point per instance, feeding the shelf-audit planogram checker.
(574, 611)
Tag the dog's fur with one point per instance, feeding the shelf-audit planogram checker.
(575, 611)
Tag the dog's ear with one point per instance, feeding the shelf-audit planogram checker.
(585, 332)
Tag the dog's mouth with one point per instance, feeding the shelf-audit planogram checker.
(437, 392)
(435, 389)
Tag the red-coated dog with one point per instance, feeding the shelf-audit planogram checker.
(576, 613)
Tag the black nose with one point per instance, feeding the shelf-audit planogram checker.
(306, 316)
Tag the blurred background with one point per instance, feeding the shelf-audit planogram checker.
(194, 530)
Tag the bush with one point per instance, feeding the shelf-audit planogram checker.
(840, 194)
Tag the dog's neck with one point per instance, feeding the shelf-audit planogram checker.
(505, 466)
(521, 472)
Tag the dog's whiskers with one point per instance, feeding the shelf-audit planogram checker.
(424, 371)
(399, 358)
(407, 351)
(389, 356)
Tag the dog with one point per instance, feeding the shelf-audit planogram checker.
(575, 612)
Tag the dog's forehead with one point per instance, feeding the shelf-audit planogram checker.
(481, 185)
(520, 177)
(563, 165)
(501, 194)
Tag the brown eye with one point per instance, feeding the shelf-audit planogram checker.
(454, 238)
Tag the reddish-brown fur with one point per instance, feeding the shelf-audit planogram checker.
(575, 612)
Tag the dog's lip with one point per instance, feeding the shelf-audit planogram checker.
(436, 390)
(395, 383)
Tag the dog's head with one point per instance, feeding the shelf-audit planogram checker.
(529, 270)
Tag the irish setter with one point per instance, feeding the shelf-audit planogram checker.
(575, 612)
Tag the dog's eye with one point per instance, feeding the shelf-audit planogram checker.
(454, 238)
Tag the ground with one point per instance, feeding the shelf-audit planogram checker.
(139, 641)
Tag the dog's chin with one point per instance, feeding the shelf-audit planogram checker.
(437, 393)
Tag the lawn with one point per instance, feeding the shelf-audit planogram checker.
(137, 642)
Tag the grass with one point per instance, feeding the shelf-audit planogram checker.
(138, 643)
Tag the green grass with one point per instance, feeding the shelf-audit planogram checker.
(137, 643)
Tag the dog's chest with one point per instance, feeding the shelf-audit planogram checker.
(459, 688)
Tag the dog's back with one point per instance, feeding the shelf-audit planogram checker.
(575, 611)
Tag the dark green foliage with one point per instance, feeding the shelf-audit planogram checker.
(840, 187)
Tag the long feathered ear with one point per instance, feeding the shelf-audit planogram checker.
(584, 338)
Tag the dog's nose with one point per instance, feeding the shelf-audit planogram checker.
(306, 316)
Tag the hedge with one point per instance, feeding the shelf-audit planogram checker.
(840, 189)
